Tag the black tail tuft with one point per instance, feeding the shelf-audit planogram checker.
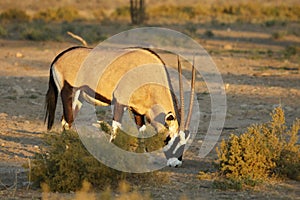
(50, 102)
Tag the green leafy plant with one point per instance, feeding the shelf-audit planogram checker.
(290, 51)
(61, 14)
(209, 33)
(3, 32)
(64, 164)
(14, 15)
(263, 151)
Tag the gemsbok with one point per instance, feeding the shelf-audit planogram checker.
(125, 83)
(148, 92)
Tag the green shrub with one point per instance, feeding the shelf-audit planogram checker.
(14, 15)
(122, 11)
(34, 34)
(209, 33)
(62, 14)
(64, 164)
(289, 51)
(3, 32)
(263, 151)
(178, 13)
(191, 29)
(100, 14)
(278, 35)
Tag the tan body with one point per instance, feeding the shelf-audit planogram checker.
(64, 71)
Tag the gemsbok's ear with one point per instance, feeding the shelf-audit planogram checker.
(169, 117)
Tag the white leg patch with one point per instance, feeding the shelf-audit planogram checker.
(115, 126)
(76, 105)
(174, 162)
(65, 125)
(142, 129)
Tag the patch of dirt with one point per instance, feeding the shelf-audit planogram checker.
(255, 83)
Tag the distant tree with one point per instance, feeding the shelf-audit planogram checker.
(137, 11)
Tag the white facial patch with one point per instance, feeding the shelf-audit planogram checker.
(173, 127)
(169, 145)
(182, 141)
(174, 162)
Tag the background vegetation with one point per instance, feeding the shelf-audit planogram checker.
(52, 23)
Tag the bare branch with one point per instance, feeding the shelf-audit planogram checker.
(77, 37)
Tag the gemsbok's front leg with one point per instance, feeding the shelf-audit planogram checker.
(117, 119)
(141, 125)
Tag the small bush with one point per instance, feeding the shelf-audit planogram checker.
(209, 33)
(279, 35)
(289, 51)
(191, 29)
(3, 32)
(120, 13)
(263, 151)
(62, 14)
(34, 34)
(14, 15)
(64, 164)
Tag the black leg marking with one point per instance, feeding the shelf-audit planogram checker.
(139, 119)
(118, 112)
(66, 96)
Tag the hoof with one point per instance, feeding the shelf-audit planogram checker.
(112, 139)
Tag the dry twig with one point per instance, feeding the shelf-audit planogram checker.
(77, 37)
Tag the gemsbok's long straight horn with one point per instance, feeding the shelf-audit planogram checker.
(181, 125)
(189, 116)
(185, 126)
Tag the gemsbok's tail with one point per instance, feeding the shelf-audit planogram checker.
(50, 102)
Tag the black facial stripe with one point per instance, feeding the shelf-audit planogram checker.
(166, 141)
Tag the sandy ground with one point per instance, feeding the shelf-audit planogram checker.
(255, 84)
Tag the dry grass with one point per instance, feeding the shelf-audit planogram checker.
(124, 192)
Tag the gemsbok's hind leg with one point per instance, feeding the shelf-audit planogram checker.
(117, 119)
(141, 125)
(66, 97)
